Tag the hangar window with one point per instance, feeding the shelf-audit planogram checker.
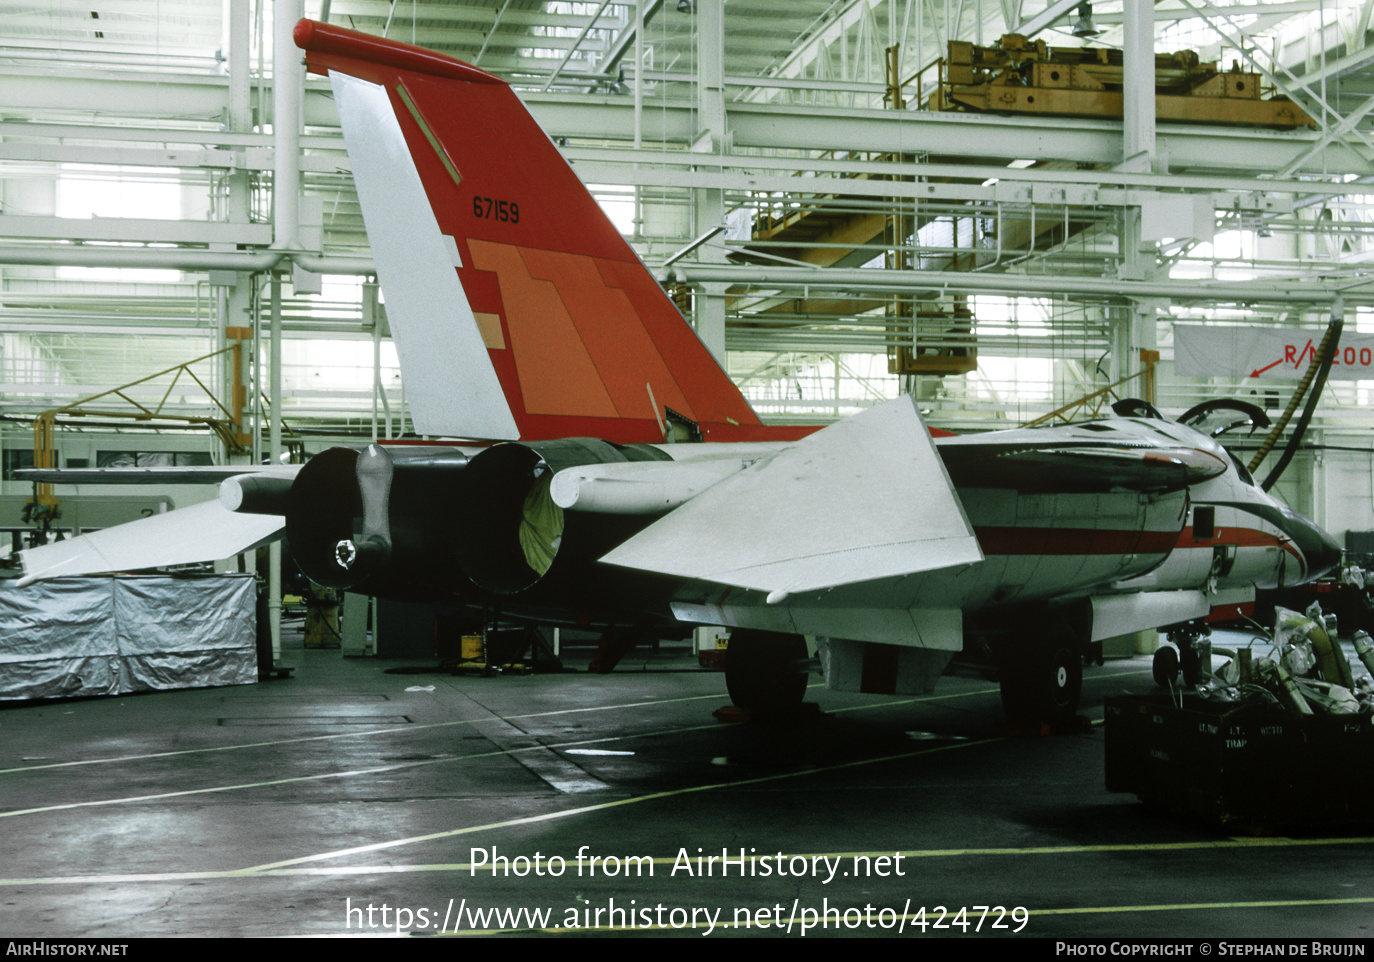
(87, 191)
(151, 459)
(329, 374)
(15, 459)
(618, 204)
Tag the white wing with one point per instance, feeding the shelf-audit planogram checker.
(865, 498)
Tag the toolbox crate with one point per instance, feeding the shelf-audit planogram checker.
(1246, 770)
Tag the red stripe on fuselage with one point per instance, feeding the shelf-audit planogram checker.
(1013, 540)
(1240, 537)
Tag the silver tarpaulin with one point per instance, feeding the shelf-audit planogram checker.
(109, 636)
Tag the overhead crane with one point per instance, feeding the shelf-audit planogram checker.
(1016, 75)
(1021, 76)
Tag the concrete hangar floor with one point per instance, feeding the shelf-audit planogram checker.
(343, 802)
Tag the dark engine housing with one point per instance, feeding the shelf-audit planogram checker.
(428, 523)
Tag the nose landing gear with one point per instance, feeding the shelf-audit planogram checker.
(1191, 641)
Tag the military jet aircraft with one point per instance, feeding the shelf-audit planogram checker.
(616, 476)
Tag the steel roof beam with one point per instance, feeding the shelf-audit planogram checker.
(626, 39)
(574, 48)
(772, 126)
(1032, 285)
(1047, 17)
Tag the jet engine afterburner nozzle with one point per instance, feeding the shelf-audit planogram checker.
(323, 511)
(345, 553)
(372, 520)
(515, 534)
(367, 551)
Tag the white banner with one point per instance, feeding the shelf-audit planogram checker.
(1266, 353)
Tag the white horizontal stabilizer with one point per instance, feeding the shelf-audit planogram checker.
(865, 498)
(202, 532)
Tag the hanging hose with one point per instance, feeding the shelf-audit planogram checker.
(1321, 362)
(1327, 355)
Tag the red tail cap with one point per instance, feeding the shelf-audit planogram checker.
(320, 38)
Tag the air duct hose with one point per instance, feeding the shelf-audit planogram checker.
(1319, 369)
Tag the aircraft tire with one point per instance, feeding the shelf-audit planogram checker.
(1191, 664)
(761, 670)
(1165, 666)
(1043, 685)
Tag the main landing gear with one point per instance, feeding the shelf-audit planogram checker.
(1042, 681)
(765, 671)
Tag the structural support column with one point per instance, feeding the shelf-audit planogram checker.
(639, 111)
(709, 315)
(240, 116)
(235, 302)
(274, 433)
(1139, 154)
(639, 77)
(288, 91)
(711, 77)
(1138, 49)
(1320, 509)
(1140, 263)
(712, 138)
(237, 288)
(237, 295)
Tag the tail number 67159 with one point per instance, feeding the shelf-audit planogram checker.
(490, 209)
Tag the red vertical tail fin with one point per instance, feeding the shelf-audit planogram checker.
(499, 268)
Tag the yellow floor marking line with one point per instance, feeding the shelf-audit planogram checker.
(605, 806)
(377, 770)
(889, 703)
(376, 731)
(894, 703)
(216, 788)
(527, 820)
(400, 766)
